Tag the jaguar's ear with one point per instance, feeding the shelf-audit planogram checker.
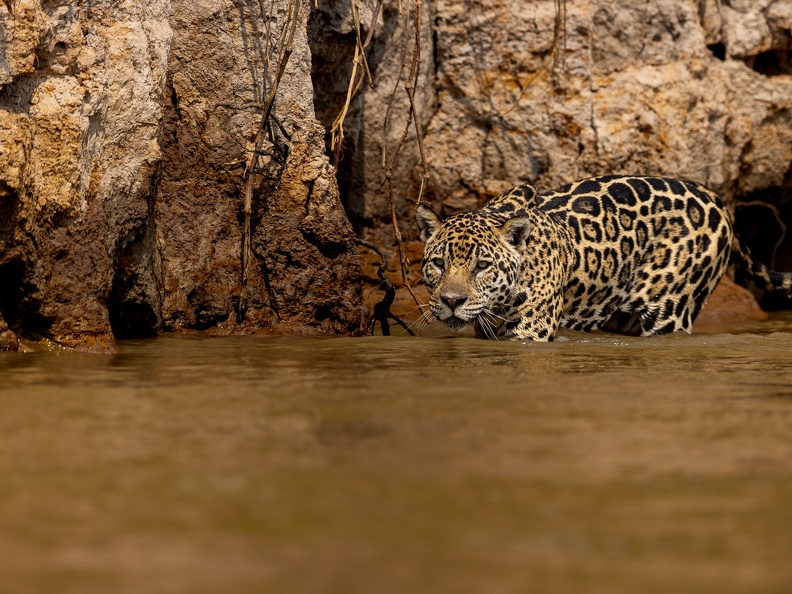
(516, 230)
(428, 221)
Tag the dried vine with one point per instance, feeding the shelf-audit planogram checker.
(413, 15)
(360, 71)
(285, 45)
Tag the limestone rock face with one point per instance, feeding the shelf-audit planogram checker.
(305, 273)
(80, 114)
(631, 88)
(125, 129)
(699, 89)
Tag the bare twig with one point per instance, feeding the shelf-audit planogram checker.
(359, 42)
(360, 71)
(414, 14)
(382, 312)
(390, 102)
(412, 80)
(285, 51)
(559, 34)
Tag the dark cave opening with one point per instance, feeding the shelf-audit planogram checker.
(18, 305)
(332, 53)
(130, 318)
(718, 50)
(763, 221)
(773, 62)
(134, 303)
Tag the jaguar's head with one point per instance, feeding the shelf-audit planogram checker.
(471, 262)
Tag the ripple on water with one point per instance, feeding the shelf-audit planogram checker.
(430, 464)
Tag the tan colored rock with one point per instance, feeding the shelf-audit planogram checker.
(85, 115)
(52, 177)
(13, 137)
(23, 25)
(779, 19)
(712, 21)
(634, 90)
(631, 88)
(746, 30)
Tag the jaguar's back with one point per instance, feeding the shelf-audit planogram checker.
(648, 251)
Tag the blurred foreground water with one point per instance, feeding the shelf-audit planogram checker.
(401, 465)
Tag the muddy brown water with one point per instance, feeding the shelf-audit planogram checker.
(401, 465)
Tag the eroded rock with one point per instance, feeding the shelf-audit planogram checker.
(305, 276)
(728, 303)
(8, 340)
(102, 236)
(80, 117)
(631, 89)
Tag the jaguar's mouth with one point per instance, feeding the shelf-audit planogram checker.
(456, 323)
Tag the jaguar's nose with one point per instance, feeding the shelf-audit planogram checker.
(452, 301)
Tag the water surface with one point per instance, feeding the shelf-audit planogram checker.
(401, 465)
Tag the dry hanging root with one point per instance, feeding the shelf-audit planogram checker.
(360, 71)
(382, 312)
(285, 50)
(413, 16)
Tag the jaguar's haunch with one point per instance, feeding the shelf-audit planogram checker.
(632, 255)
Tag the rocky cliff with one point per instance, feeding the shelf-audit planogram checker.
(80, 121)
(127, 190)
(131, 201)
(547, 92)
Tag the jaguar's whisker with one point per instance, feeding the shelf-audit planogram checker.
(487, 327)
(422, 322)
(494, 315)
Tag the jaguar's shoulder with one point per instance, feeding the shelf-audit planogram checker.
(518, 201)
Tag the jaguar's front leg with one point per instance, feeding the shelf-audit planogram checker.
(536, 318)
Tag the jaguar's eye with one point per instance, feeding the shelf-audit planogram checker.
(438, 262)
(483, 264)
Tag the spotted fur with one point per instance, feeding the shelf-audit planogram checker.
(631, 255)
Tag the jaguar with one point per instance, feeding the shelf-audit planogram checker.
(633, 255)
